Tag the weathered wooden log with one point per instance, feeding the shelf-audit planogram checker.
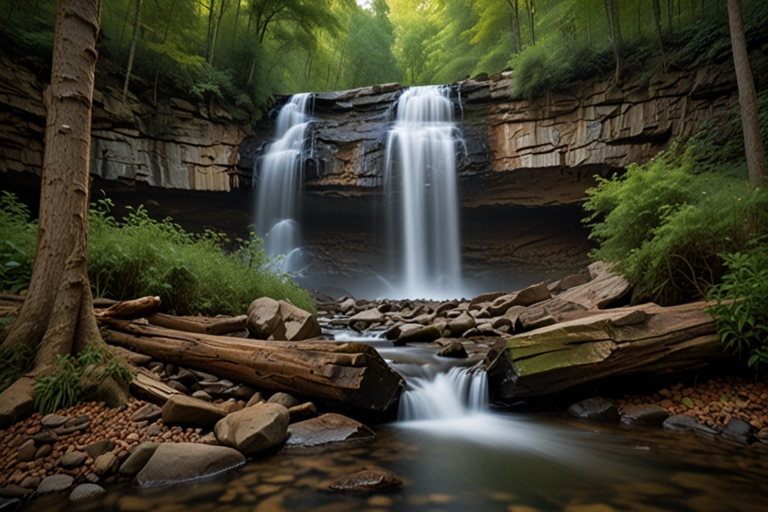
(146, 387)
(202, 326)
(344, 373)
(646, 339)
(129, 309)
(227, 325)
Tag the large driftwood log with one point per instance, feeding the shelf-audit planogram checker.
(128, 309)
(202, 325)
(645, 339)
(346, 373)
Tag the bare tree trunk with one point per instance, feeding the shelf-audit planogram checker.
(58, 312)
(222, 9)
(133, 49)
(237, 17)
(657, 19)
(210, 26)
(514, 24)
(589, 28)
(753, 142)
(669, 16)
(530, 7)
(338, 70)
(611, 12)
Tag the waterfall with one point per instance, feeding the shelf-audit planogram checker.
(280, 183)
(451, 395)
(421, 185)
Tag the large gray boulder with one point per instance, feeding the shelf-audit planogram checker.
(299, 324)
(327, 429)
(181, 462)
(187, 411)
(264, 317)
(254, 429)
(281, 320)
(138, 459)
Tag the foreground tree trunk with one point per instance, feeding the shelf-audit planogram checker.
(753, 142)
(58, 313)
(351, 375)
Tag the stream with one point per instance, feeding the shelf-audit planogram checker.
(454, 452)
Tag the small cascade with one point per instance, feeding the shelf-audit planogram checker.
(451, 395)
(280, 184)
(421, 186)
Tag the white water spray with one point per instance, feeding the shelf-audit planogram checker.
(451, 395)
(421, 181)
(280, 182)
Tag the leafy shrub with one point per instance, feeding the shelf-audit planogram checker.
(741, 311)
(66, 386)
(140, 256)
(16, 363)
(665, 224)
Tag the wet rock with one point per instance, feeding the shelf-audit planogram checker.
(486, 297)
(326, 429)
(595, 409)
(148, 412)
(100, 447)
(55, 483)
(72, 460)
(526, 297)
(740, 431)
(86, 492)
(365, 480)
(254, 429)
(27, 451)
(187, 411)
(53, 420)
(11, 492)
(44, 437)
(302, 412)
(645, 414)
(685, 423)
(461, 324)
(283, 399)
(422, 333)
(181, 462)
(370, 316)
(138, 459)
(106, 463)
(455, 350)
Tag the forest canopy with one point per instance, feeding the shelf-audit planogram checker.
(241, 52)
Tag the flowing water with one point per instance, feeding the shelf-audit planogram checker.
(280, 177)
(421, 188)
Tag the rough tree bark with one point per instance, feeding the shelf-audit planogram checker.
(612, 11)
(58, 313)
(753, 142)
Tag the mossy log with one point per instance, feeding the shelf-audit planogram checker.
(641, 340)
(351, 374)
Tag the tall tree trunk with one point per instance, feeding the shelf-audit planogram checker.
(223, 7)
(657, 19)
(669, 16)
(237, 17)
(338, 70)
(531, 8)
(514, 24)
(611, 10)
(753, 142)
(133, 49)
(211, 11)
(168, 25)
(58, 313)
(589, 28)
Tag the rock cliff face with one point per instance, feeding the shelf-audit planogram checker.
(171, 145)
(524, 153)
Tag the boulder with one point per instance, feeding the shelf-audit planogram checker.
(526, 297)
(461, 324)
(486, 297)
(86, 492)
(264, 317)
(138, 459)
(365, 480)
(299, 324)
(302, 412)
(283, 399)
(187, 411)
(369, 316)
(55, 483)
(740, 431)
(595, 409)
(422, 333)
(685, 423)
(254, 429)
(17, 402)
(645, 414)
(329, 428)
(182, 462)
(455, 349)
(571, 281)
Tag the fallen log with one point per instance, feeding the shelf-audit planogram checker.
(129, 309)
(202, 326)
(353, 374)
(646, 339)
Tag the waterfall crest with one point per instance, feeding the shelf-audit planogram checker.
(421, 189)
(280, 183)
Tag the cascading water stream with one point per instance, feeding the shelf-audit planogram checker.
(421, 184)
(451, 395)
(280, 182)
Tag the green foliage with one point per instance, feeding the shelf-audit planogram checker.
(665, 223)
(16, 362)
(17, 244)
(73, 374)
(741, 311)
(140, 256)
